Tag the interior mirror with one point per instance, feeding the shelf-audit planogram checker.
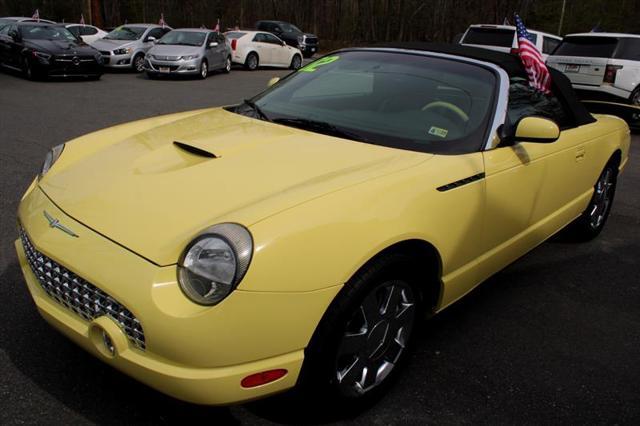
(273, 81)
(152, 39)
(530, 129)
(213, 44)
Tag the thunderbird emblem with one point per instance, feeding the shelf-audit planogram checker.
(55, 223)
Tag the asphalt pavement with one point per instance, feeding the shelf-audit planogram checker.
(552, 339)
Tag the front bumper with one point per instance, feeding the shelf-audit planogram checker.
(194, 353)
(308, 49)
(173, 67)
(117, 61)
(67, 68)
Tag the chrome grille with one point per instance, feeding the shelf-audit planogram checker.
(78, 295)
(165, 58)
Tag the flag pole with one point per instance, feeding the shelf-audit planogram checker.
(564, 4)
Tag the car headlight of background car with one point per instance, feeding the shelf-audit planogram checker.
(215, 262)
(122, 51)
(51, 158)
(190, 57)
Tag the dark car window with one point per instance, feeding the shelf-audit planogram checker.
(46, 32)
(629, 49)
(126, 33)
(158, 33)
(489, 37)
(220, 38)
(88, 31)
(525, 101)
(235, 34)
(5, 29)
(270, 38)
(587, 46)
(405, 101)
(260, 38)
(75, 30)
(549, 45)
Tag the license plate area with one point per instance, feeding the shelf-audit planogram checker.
(165, 69)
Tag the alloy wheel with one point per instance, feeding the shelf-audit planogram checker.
(138, 63)
(375, 338)
(227, 65)
(204, 69)
(296, 62)
(601, 199)
(253, 62)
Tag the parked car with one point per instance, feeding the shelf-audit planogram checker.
(10, 19)
(126, 46)
(503, 38)
(226, 254)
(188, 51)
(601, 65)
(88, 33)
(256, 48)
(292, 35)
(47, 50)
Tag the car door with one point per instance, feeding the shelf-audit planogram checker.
(279, 53)
(264, 49)
(5, 44)
(14, 47)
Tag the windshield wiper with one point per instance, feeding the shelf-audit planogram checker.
(256, 108)
(320, 127)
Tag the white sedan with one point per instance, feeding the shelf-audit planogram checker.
(88, 33)
(256, 48)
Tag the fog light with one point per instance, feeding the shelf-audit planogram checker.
(263, 378)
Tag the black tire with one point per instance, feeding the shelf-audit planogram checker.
(204, 70)
(94, 77)
(27, 70)
(137, 63)
(330, 351)
(591, 222)
(227, 65)
(252, 62)
(635, 97)
(296, 62)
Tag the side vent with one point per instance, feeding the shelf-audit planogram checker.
(194, 150)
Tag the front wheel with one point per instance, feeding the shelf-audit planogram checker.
(364, 336)
(138, 63)
(296, 62)
(591, 222)
(635, 97)
(204, 70)
(27, 70)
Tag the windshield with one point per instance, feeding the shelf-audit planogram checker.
(184, 38)
(126, 33)
(589, 46)
(406, 101)
(41, 32)
(234, 34)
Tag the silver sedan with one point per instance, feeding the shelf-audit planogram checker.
(188, 51)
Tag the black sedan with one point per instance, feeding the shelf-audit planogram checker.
(41, 50)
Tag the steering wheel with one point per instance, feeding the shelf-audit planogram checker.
(459, 113)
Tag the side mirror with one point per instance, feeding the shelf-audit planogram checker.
(213, 44)
(151, 39)
(284, 43)
(273, 81)
(530, 129)
(14, 35)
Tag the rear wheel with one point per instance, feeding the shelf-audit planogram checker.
(592, 220)
(364, 336)
(252, 61)
(138, 63)
(635, 97)
(296, 62)
(204, 69)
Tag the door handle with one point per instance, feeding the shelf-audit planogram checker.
(580, 154)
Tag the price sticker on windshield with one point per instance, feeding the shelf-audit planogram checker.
(437, 131)
(320, 62)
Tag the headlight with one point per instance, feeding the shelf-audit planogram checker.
(122, 51)
(190, 57)
(51, 158)
(215, 262)
(41, 55)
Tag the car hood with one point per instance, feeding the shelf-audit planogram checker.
(103, 44)
(174, 50)
(152, 196)
(60, 47)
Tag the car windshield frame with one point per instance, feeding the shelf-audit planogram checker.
(123, 29)
(474, 141)
(47, 31)
(587, 46)
(178, 33)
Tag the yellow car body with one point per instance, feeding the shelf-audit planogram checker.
(318, 208)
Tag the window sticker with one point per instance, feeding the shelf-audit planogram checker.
(320, 62)
(437, 131)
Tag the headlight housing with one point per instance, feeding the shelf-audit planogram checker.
(190, 57)
(122, 51)
(51, 157)
(215, 262)
(41, 55)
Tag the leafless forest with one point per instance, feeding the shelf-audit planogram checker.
(347, 21)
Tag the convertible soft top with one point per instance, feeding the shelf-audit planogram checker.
(561, 85)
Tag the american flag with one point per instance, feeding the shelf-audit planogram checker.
(36, 15)
(532, 60)
(81, 19)
(217, 27)
(162, 21)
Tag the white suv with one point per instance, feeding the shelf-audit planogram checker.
(502, 38)
(601, 65)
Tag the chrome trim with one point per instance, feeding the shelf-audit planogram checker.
(55, 223)
(500, 112)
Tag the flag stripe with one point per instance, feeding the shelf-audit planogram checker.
(537, 71)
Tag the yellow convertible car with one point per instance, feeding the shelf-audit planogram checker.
(296, 239)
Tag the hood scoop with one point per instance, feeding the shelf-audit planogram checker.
(195, 150)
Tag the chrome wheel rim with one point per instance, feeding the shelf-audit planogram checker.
(375, 338)
(139, 63)
(253, 62)
(228, 65)
(601, 199)
(203, 70)
(636, 98)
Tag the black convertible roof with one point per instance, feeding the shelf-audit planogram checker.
(512, 65)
